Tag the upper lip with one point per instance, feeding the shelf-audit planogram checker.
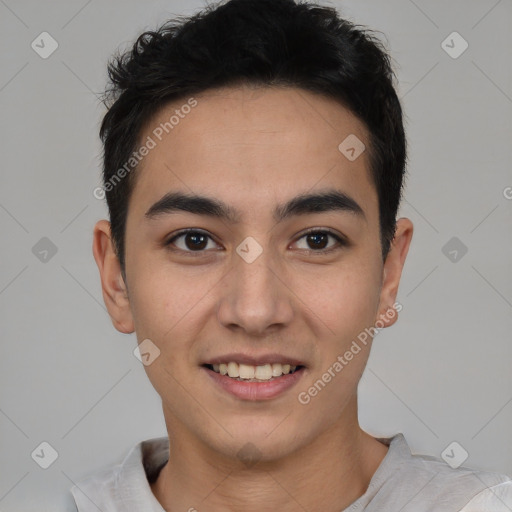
(255, 360)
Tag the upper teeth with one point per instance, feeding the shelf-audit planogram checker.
(247, 371)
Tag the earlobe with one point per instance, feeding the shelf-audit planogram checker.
(115, 293)
(392, 272)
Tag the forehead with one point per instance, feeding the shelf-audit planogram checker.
(253, 146)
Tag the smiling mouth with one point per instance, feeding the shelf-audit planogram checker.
(250, 373)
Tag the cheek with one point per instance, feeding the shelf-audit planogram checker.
(347, 305)
(345, 299)
(163, 300)
(165, 306)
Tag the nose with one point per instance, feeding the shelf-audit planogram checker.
(256, 297)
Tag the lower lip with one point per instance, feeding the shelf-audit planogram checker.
(256, 390)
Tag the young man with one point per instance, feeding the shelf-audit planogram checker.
(253, 167)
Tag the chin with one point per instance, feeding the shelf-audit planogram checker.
(268, 441)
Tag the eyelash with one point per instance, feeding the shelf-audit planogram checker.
(341, 241)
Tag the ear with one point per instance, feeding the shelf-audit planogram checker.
(115, 292)
(387, 314)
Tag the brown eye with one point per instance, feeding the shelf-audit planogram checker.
(317, 241)
(190, 241)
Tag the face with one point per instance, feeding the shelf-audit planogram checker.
(281, 266)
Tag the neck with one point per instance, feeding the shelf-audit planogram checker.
(340, 463)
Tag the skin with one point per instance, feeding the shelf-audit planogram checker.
(254, 148)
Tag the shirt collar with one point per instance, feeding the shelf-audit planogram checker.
(127, 486)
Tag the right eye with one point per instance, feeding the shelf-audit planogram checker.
(191, 240)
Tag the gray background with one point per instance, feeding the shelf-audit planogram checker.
(441, 374)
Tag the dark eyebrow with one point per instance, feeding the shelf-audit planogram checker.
(329, 200)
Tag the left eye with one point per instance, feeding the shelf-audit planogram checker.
(318, 240)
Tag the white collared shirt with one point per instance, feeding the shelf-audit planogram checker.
(403, 482)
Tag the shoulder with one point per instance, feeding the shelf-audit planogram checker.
(497, 498)
(464, 486)
(97, 489)
(124, 485)
(425, 482)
